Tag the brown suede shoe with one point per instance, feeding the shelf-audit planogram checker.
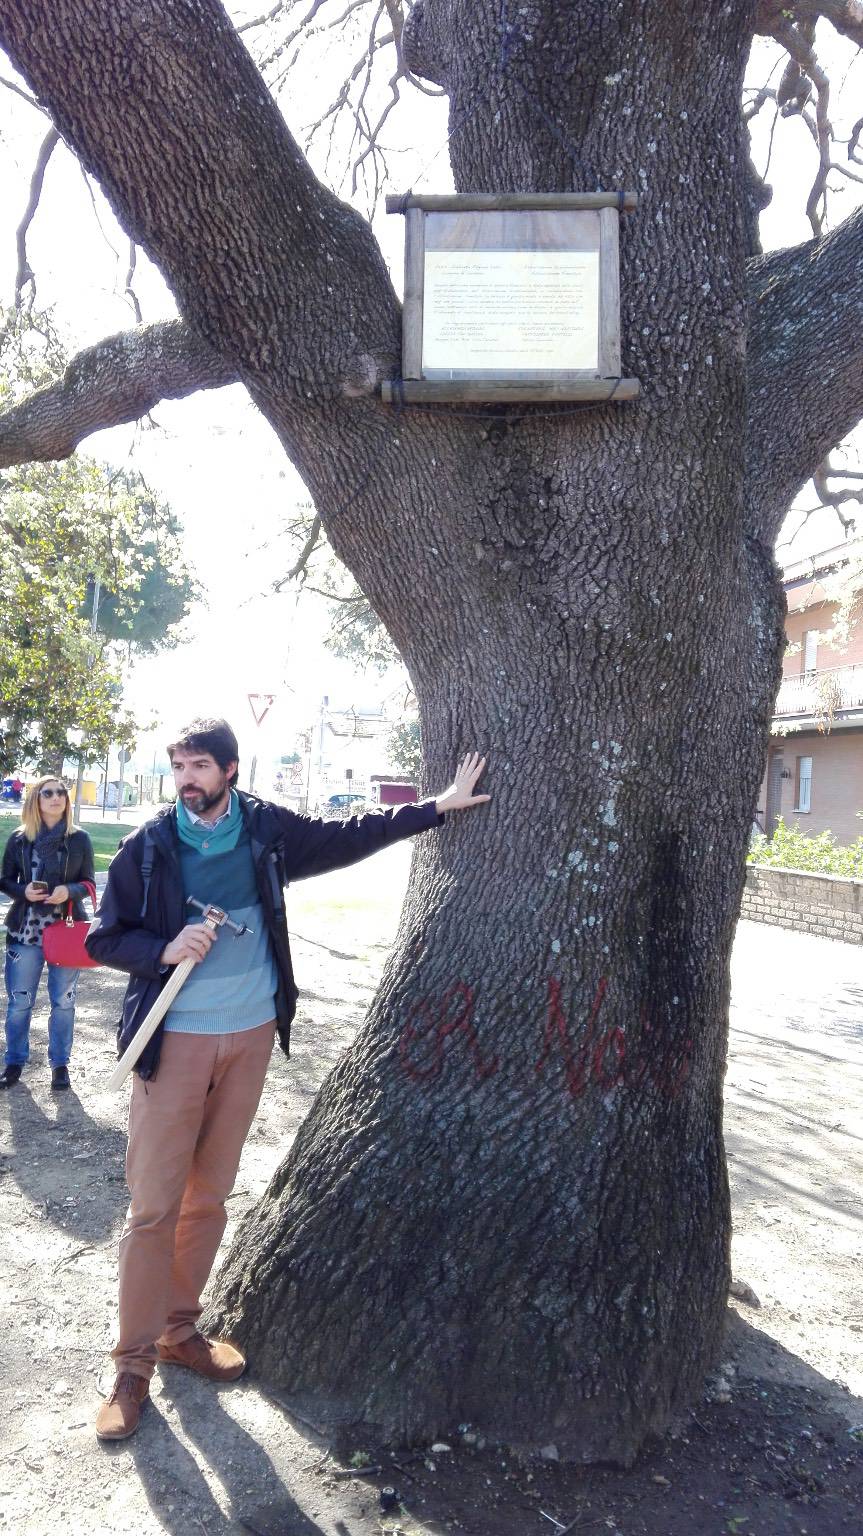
(213, 1358)
(120, 1413)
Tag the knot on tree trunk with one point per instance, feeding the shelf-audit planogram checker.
(364, 372)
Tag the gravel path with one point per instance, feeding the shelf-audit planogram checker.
(235, 1460)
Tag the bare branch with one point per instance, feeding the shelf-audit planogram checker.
(836, 499)
(397, 21)
(116, 381)
(25, 274)
(261, 21)
(844, 171)
(25, 96)
(799, 45)
(100, 226)
(358, 90)
(373, 134)
(351, 599)
(129, 290)
(342, 98)
(304, 556)
(297, 31)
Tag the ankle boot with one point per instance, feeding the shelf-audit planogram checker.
(60, 1077)
(120, 1413)
(9, 1076)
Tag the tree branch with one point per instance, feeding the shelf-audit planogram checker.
(129, 290)
(845, 15)
(30, 100)
(25, 274)
(304, 556)
(836, 499)
(116, 381)
(211, 185)
(804, 63)
(805, 365)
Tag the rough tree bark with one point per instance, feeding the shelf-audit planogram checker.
(509, 1202)
(115, 381)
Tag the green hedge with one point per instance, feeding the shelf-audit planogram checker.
(819, 854)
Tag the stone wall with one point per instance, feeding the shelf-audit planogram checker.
(827, 905)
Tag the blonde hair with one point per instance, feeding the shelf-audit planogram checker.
(31, 816)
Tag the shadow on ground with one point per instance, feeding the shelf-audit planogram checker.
(772, 1450)
(65, 1163)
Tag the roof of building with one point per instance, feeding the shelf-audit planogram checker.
(812, 581)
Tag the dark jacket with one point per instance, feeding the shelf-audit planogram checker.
(73, 866)
(132, 926)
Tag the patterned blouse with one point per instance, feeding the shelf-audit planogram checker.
(39, 916)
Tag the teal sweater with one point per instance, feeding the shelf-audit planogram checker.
(235, 987)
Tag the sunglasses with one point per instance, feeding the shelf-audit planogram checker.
(50, 793)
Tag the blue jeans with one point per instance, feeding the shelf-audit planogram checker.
(24, 964)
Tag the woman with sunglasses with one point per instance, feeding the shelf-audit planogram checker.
(46, 863)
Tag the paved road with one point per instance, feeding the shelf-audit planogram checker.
(794, 1134)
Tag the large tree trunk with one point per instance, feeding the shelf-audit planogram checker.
(509, 1203)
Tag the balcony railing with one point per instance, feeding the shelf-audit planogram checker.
(823, 693)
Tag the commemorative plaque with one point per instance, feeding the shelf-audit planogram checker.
(511, 297)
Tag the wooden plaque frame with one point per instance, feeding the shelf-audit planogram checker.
(514, 222)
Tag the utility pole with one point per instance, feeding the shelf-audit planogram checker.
(322, 726)
(123, 759)
(94, 619)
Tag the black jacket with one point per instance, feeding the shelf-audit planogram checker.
(72, 866)
(132, 926)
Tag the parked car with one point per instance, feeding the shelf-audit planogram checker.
(341, 807)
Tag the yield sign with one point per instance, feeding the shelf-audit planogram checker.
(260, 703)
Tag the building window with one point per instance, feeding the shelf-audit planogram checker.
(810, 650)
(803, 796)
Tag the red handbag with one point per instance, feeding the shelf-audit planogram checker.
(63, 943)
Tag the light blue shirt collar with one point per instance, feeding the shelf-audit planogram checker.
(199, 820)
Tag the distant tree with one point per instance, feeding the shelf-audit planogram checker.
(62, 526)
(147, 589)
(405, 748)
(355, 632)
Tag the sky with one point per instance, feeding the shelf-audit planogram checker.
(215, 459)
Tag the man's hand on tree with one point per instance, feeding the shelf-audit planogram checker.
(192, 943)
(460, 795)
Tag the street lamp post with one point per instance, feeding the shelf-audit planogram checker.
(94, 620)
(77, 739)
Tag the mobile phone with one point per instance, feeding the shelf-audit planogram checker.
(41, 886)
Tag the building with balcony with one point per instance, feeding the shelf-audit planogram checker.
(814, 774)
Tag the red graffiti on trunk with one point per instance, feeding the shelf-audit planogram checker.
(577, 1066)
(604, 1059)
(607, 1060)
(453, 1017)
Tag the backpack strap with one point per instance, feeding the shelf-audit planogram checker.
(147, 862)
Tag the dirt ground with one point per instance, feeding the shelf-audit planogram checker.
(775, 1447)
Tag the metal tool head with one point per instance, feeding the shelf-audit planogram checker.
(217, 918)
